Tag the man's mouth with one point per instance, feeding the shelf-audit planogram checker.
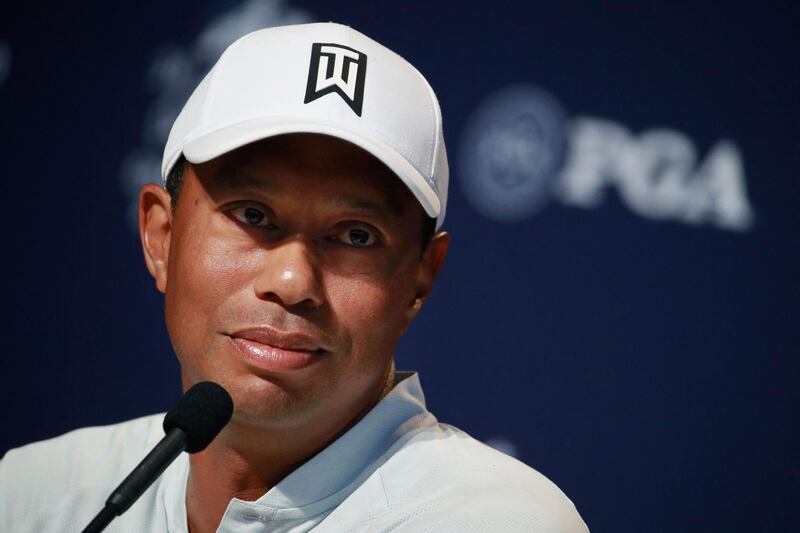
(273, 350)
(286, 340)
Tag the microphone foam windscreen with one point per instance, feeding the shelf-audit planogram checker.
(201, 413)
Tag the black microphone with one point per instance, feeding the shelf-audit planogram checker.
(192, 423)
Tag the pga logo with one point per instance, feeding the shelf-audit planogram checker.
(519, 152)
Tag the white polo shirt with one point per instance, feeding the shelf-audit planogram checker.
(396, 470)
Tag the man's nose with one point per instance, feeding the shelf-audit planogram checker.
(290, 276)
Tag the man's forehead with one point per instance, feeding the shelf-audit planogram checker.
(365, 181)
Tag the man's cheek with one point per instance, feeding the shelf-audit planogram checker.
(370, 310)
(214, 267)
(357, 296)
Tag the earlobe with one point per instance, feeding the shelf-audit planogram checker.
(415, 308)
(412, 311)
(155, 230)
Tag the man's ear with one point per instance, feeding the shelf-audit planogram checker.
(155, 230)
(429, 267)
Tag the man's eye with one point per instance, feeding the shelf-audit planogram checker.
(251, 216)
(356, 236)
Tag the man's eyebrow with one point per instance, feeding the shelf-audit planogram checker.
(386, 205)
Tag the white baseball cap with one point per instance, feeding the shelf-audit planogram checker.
(321, 78)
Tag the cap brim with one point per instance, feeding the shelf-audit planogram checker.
(207, 146)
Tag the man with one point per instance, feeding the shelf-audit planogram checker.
(294, 243)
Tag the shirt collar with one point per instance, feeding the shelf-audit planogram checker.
(348, 458)
(326, 479)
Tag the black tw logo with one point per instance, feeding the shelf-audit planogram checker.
(339, 69)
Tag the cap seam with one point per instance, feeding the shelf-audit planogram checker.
(434, 137)
(432, 104)
(210, 94)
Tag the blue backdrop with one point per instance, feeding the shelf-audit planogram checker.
(619, 307)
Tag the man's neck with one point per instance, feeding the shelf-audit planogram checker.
(224, 471)
(245, 462)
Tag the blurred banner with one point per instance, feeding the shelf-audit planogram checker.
(619, 308)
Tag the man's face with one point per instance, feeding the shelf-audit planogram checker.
(290, 268)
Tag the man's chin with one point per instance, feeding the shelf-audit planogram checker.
(268, 405)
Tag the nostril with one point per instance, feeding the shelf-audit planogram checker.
(290, 276)
(289, 288)
(308, 302)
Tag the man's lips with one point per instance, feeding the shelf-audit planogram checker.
(273, 350)
(285, 340)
